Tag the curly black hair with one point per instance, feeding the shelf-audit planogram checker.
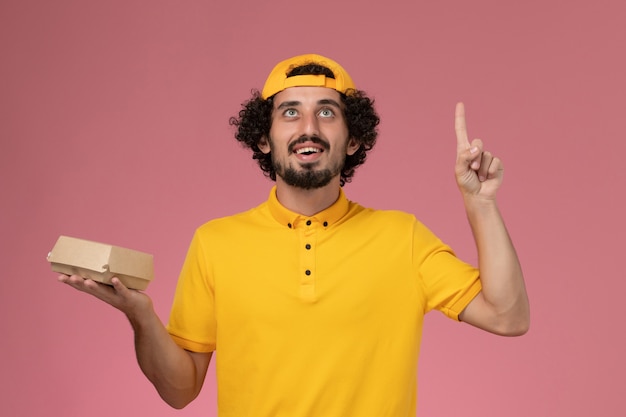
(255, 119)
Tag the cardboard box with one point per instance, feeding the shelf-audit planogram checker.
(101, 262)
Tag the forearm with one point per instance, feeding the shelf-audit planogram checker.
(171, 369)
(501, 274)
(176, 374)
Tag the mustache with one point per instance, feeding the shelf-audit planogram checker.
(306, 138)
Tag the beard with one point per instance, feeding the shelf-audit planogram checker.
(308, 178)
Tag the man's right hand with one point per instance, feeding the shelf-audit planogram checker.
(133, 303)
(177, 374)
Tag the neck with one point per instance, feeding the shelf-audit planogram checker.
(307, 202)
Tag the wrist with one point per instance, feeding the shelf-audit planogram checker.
(141, 315)
(477, 205)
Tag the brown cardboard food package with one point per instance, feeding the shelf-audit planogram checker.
(101, 262)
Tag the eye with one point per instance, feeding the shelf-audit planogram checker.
(290, 113)
(326, 113)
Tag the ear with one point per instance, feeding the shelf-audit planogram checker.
(353, 146)
(264, 145)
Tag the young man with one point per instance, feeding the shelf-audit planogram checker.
(314, 303)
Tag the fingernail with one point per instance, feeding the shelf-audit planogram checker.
(474, 149)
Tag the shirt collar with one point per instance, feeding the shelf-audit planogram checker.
(326, 217)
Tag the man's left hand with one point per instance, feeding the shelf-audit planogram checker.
(478, 172)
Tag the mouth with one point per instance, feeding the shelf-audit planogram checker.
(308, 146)
(308, 153)
(307, 150)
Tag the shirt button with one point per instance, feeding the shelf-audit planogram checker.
(289, 225)
(308, 222)
(308, 246)
(307, 272)
(325, 224)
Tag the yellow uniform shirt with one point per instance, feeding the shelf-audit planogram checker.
(316, 316)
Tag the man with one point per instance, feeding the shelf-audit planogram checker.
(314, 303)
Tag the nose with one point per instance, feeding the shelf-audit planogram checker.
(310, 124)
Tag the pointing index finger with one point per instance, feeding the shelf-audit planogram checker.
(462, 141)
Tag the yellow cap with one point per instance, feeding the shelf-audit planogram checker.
(277, 81)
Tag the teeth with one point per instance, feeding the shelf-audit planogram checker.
(307, 150)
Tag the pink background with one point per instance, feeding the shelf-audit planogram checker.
(114, 127)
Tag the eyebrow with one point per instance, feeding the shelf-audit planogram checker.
(295, 103)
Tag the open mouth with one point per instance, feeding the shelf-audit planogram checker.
(308, 150)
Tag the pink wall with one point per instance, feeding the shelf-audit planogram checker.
(114, 128)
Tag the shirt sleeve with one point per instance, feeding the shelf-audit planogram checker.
(192, 323)
(449, 283)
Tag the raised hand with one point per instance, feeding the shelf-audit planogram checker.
(478, 172)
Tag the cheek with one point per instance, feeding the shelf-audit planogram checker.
(281, 134)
